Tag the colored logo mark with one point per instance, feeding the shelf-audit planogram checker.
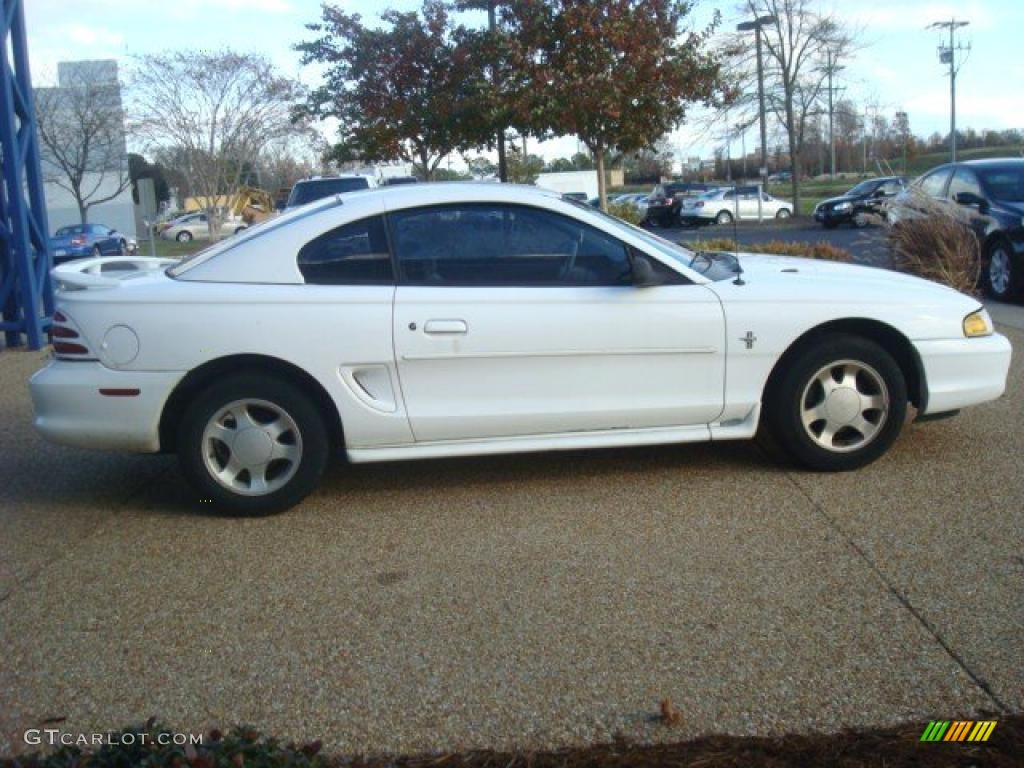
(958, 730)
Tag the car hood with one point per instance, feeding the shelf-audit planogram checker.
(832, 201)
(854, 280)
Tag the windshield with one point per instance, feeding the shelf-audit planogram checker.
(864, 188)
(713, 266)
(1005, 184)
(308, 191)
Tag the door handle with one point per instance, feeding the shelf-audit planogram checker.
(446, 327)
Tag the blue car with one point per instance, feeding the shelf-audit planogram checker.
(77, 241)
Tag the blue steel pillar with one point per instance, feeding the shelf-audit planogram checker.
(26, 291)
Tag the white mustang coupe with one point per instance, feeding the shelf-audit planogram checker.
(447, 320)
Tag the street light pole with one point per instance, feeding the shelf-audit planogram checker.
(756, 25)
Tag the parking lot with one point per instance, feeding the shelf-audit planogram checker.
(867, 245)
(533, 600)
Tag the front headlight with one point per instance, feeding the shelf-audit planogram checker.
(978, 324)
(843, 206)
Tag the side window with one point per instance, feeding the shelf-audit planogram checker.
(934, 183)
(494, 244)
(964, 181)
(353, 254)
(890, 188)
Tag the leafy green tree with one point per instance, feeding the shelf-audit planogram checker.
(523, 170)
(618, 74)
(415, 89)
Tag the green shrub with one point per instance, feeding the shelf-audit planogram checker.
(243, 746)
(820, 250)
(626, 211)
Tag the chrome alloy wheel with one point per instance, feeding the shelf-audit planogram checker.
(252, 447)
(999, 271)
(844, 406)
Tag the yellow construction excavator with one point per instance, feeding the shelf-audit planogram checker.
(253, 205)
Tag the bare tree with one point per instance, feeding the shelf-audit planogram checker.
(216, 112)
(81, 128)
(799, 46)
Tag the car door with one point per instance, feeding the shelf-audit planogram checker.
(748, 200)
(512, 320)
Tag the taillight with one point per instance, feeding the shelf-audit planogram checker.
(60, 331)
(78, 240)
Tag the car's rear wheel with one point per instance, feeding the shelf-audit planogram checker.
(184, 236)
(723, 217)
(252, 445)
(1002, 273)
(838, 405)
(122, 247)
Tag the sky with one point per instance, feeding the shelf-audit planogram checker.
(896, 68)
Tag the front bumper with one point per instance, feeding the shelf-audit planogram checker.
(963, 372)
(69, 408)
(829, 216)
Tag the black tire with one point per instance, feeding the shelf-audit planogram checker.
(184, 236)
(785, 402)
(96, 252)
(122, 248)
(312, 439)
(999, 255)
(723, 217)
(783, 213)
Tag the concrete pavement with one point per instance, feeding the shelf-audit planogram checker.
(518, 601)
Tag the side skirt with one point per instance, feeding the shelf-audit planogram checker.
(569, 441)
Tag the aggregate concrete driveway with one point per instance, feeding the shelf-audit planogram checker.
(518, 601)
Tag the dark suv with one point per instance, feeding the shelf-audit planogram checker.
(666, 200)
(308, 190)
(860, 203)
(994, 190)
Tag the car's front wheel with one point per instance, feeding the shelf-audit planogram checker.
(838, 405)
(184, 236)
(1002, 274)
(252, 445)
(783, 213)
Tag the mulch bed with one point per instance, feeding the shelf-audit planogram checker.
(897, 747)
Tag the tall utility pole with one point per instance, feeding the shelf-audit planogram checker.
(831, 69)
(756, 25)
(492, 25)
(948, 55)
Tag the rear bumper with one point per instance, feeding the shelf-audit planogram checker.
(70, 410)
(963, 372)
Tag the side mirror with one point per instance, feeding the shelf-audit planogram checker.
(969, 198)
(644, 274)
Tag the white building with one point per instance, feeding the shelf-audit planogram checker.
(108, 167)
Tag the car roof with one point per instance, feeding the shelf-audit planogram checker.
(987, 162)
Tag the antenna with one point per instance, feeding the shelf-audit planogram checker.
(948, 55)
(736, 235)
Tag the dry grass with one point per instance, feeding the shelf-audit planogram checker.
(937, 243)
(626, 211)
(820, 250)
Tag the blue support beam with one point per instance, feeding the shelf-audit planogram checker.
(26, 290)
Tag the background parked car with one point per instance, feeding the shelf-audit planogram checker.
(195, 226)
(666, 200)
(77, 241)
(308, 190)
(723, 205)
(994, 191)
(856, 206)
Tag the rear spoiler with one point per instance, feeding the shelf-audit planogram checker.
(105, 271)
